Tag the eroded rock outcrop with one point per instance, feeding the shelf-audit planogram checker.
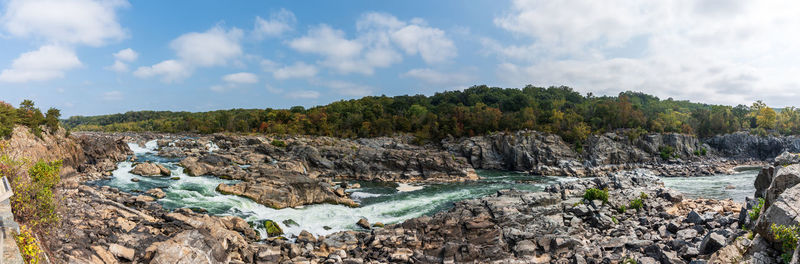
(150, 169)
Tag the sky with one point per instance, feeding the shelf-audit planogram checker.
(90, 57)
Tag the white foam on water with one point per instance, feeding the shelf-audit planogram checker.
(212, 146)
(404, 187)
(149, 147)
(361, 195)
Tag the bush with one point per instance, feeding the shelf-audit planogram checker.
(787, 236)
(756, 210)
(666, 152)
(643, 196)
(28, 248)
(703, 151)
(621, 209)
(636, 204)
(596, 194)
(34, 202)
(278, 143)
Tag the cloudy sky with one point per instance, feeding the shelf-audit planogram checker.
(90, 57)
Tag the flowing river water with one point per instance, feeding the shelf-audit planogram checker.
(380, 202)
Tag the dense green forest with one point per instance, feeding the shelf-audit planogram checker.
(474, 111)
(28, 115)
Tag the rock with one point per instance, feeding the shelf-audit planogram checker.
(784, 211)
(283, 189)
(121, 251)
(695, 218)
(784, 178)
(525, 248)
(290, 222)
(363, 223)
(144, 199)
(377, 224)
(730, 187)
(135, 179)
(787, 158)
(150, 169)
(157, 193)
(401, 255)
(671, 195)
(711, 243)
(686, 234)
(273, 229)
(189, 247)
(306, 237)
(763, 180)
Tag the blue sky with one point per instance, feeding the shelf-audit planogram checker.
(91, 57)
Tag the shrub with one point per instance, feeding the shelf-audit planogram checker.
(33, 201)
(278, 143)
(614, 219)
(28, 248)
(756, 210)
(666, 152)
(637, 204)
(787, 236)
(643, 196)
(596, 194)
(703, 151)
(621, 209)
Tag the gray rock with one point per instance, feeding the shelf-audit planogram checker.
(686, 234)
(784, 212)
(784, 178)
(525, 248)
(711, 243)
(695, 218)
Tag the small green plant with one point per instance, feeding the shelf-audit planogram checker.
(629, 260)
(756, 210)
(703, 151)
(278, 143)
(614, 219)
(636, 204)
(787, 236)
(643, 196)
(621, 209)
(28, 248)
(596, 194)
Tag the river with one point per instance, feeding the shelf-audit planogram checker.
(380, 202)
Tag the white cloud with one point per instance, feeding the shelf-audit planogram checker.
(278, 23)
(431, 76)
(348, 88)
(273, 90)
(241, 78)
(297, 70)
(725, 52)
(118, 66)
(303, 94)
(169, 70)
(430, 43)
(112, 96)
(214, 47)
(122, 56)
(46, 63)
(65, 21)
(127, 55)
(378, 38)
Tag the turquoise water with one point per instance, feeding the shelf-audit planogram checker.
(716, 186)
(380, 202)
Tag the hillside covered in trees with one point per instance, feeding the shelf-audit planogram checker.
(474, 111)
(28, 115)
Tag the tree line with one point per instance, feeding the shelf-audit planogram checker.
(27, 115)
(478, 110)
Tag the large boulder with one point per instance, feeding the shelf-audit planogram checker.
(784, 211)
(785, 178)
(787, 158)
(150, 169)
(281, 189)
(190, 247)
(763, 180)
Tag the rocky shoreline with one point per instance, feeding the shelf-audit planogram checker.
(641, 220)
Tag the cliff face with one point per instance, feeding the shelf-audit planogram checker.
(548, 154)
(23, 145)
(742, 145)
(74, 151)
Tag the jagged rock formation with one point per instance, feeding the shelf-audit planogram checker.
(743, 145)
(546, 154)
(51, 146)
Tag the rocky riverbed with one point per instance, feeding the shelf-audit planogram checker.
(158, 198)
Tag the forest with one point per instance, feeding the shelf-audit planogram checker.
(474, 111)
